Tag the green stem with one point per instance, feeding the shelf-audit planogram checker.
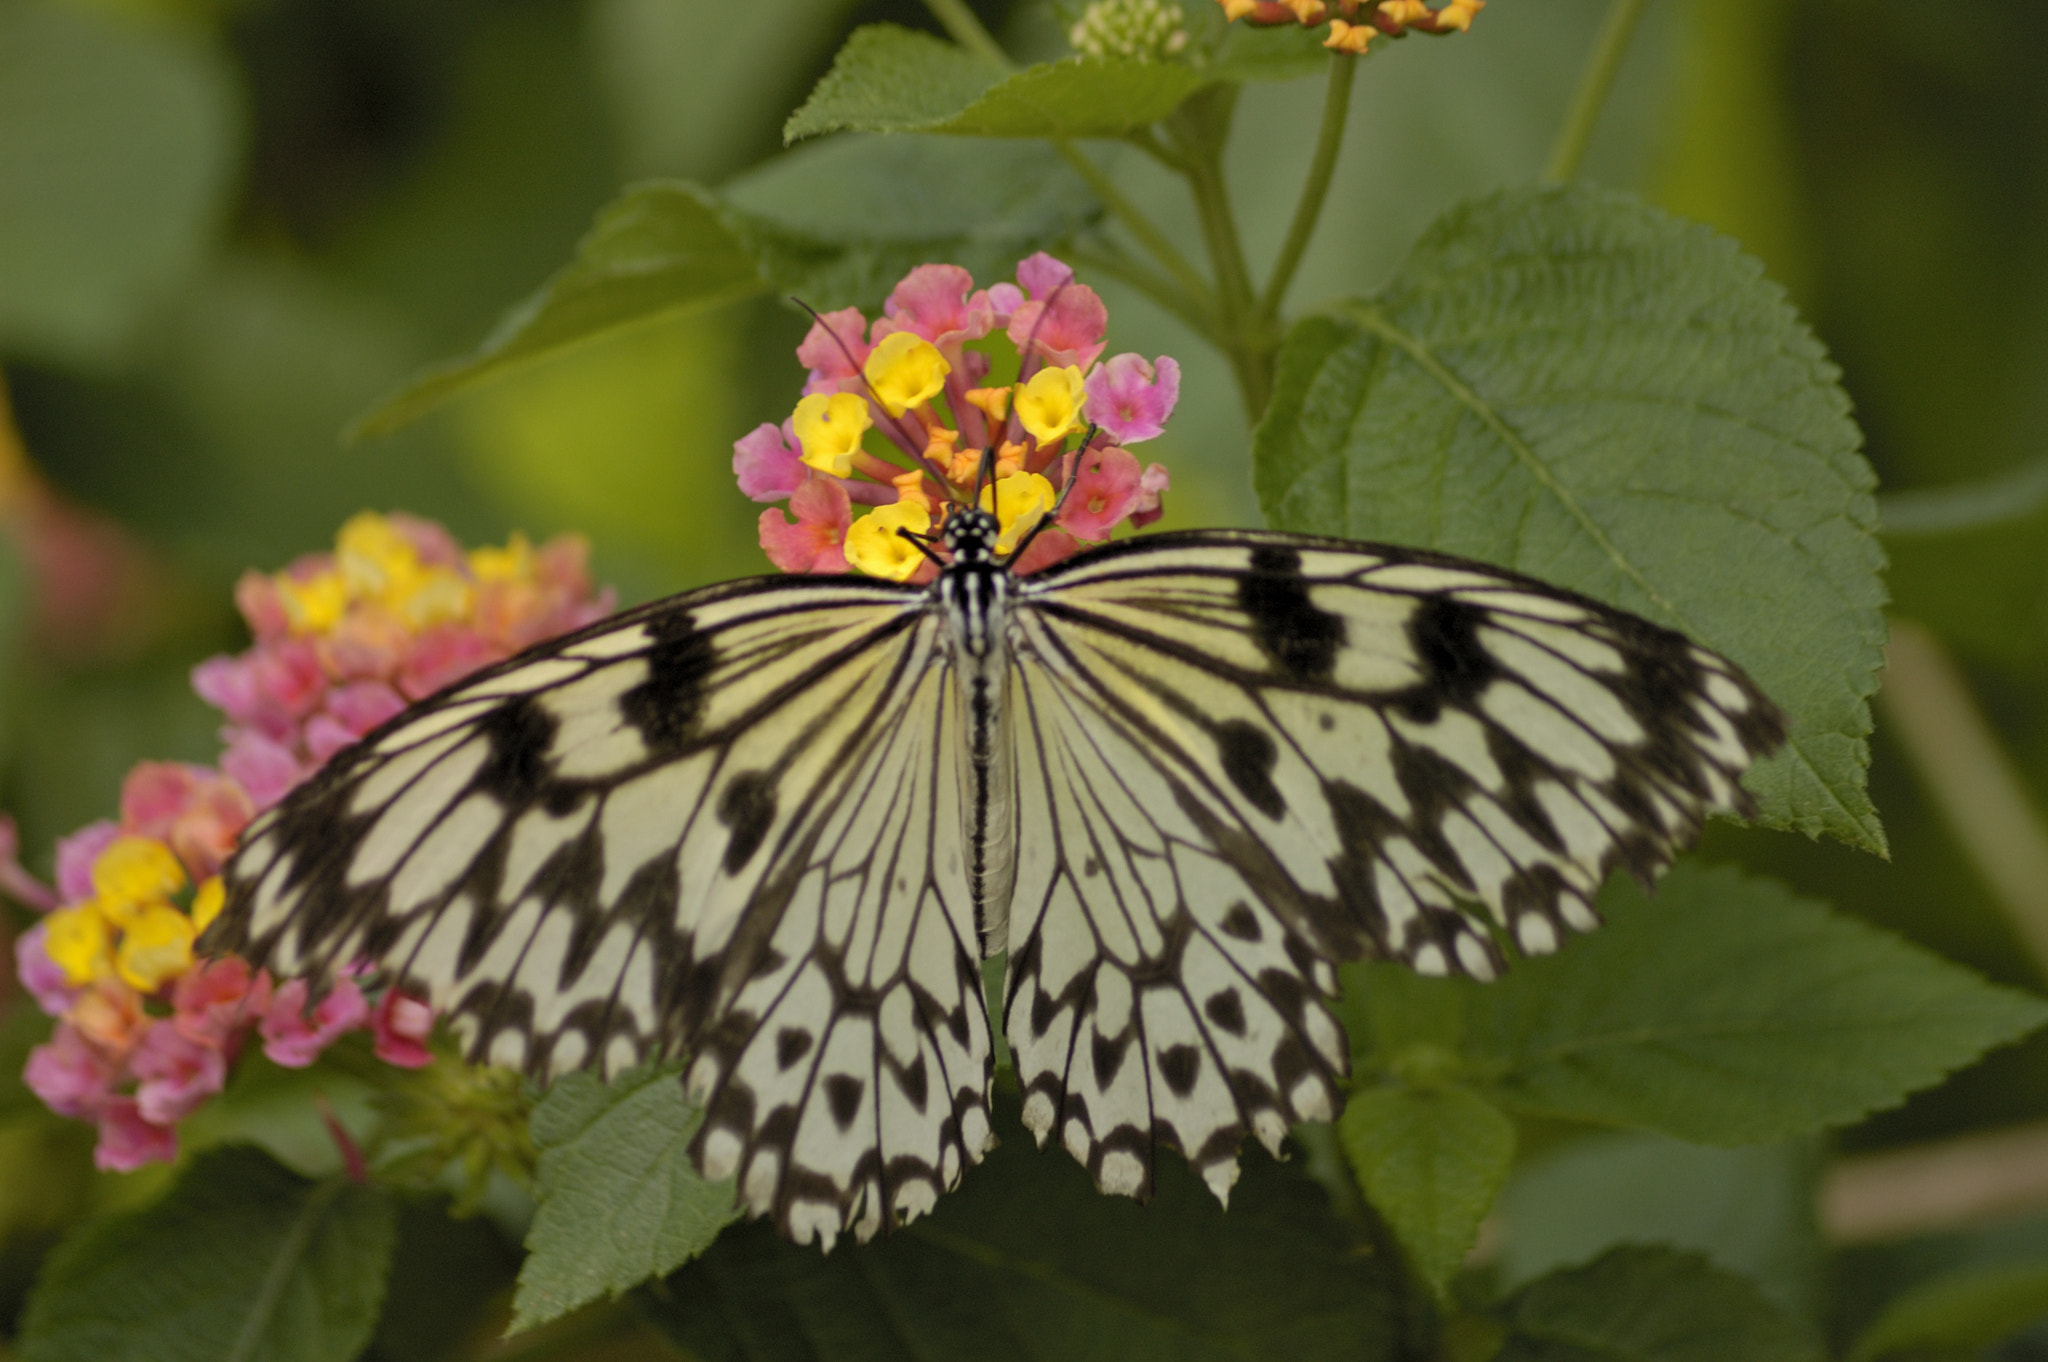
(1329, 141)
(966, 30)
(1970, 779)
(1200, 128)
(1148, 234)
(1594, 84)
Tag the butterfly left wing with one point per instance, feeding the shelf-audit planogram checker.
(1243, 757)
(678, 830)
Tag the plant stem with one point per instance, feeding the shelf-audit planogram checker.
(1200, 128)
(1594, 84)
(1134, 220)
(1970, 779)
(1329, 141)
(966, 30)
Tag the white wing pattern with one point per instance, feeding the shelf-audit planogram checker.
(736, 825)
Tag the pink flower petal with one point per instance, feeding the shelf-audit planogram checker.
(768, 462)
(293, 1039)
(256, 596)
(360, 706)
(815, 540)
(1132, 399)
(402, 1026)
(69, 1076)
(941, 304)
(1052, 545)
(1040, 274)
(75, 855)
(1065, 328)
(212, 1003)
(45, 981)
(267, 770)
(1151, 492)
(1103, 493)
(177, 1074)
(128, 1141)
(833, 348)
(440, 657)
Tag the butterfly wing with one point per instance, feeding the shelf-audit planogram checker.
(678, 830)
(1244, 756)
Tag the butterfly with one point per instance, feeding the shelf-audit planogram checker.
(775, 825)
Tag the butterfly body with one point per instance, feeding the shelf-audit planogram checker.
(776, 824)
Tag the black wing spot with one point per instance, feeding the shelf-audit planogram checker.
(1299, 636)
(747, 807)
(792, 1043)
(1109, 1057)
(1457, 666)
(1242, 923)
(1248, 757)
(1180, 1066)
(519, 732)
(664, 707)
(842, 1097)
(1226, 1011)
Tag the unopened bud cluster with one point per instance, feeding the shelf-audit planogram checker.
(1138, 30)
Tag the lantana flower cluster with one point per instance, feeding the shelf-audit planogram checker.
(1355, 23)
(147, 1030)
(931, 384)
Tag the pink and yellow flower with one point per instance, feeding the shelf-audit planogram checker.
(148, 1030)
(898, 423)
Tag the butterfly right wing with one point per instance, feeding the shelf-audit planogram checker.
(678, 830)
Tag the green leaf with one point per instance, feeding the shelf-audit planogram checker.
(659, 249)
(241, 1260)
(619, 1201)
(1571, 383)
(1725, 1010)
(117, 150)
(825, 223)
(1650, 1305)
(1026, 1260)
(890, 79)
(1430, 1161)
(1964, 1311)
(1749, 1210)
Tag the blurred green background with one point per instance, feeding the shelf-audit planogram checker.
(228, 226)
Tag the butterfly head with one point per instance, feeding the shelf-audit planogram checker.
(971, 533)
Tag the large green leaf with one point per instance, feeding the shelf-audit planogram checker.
(1749, 1210)
(241, 1261)
(1723, 1010)
(619, 1201)
(1650, 1305)
(824, 223)
(889, 79)
(1959, 1313)
(1028, 1261)
(1430, 1160)
(1571, 383)
(118, 140)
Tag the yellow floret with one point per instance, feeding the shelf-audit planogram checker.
(375, 560)
(829, 427)
(1019, 502)
(513, 563)
(156, 948)
(134, 871)
(1050, 405)
(79, 942)
(905, 371)
(873, 545)
(315, 605)
(211, 897)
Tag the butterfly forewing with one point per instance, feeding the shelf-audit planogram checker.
(742, 824)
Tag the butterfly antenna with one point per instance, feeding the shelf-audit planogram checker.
(903, 433)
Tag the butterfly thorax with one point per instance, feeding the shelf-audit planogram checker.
(974, 592)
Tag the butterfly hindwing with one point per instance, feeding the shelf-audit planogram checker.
(1337, 750)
